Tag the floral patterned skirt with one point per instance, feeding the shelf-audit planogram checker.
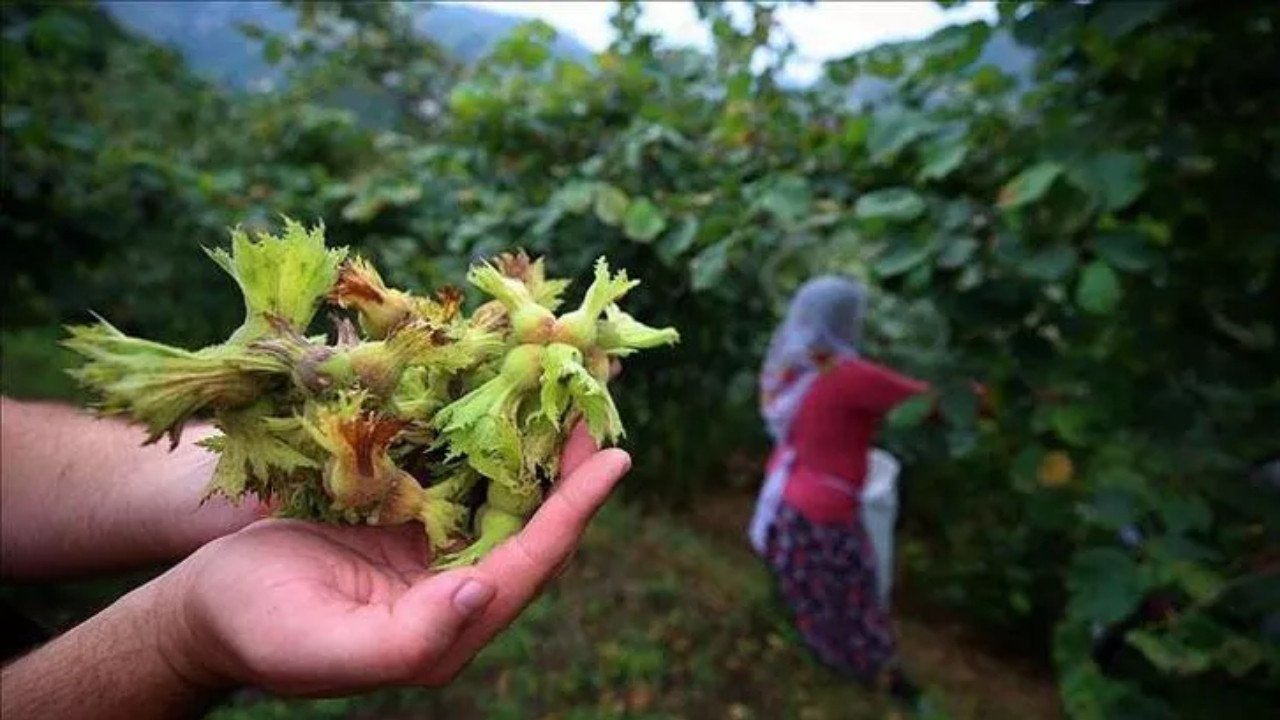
(827, 576)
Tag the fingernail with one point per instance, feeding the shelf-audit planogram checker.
(472, 596)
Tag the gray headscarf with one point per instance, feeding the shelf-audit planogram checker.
(824, 318)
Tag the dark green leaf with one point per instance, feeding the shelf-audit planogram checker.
(1051, 263)
(1114, 178)
(959, 406)
(1239, 655)
(912, 412)
(1183, 513)
(957, 252)
(1070, 422)
(1099, 288)
(1112, 508)
(1126, 250)
(1106, 585)
(1117, 19)
(961, 442)
(894, 204)
(1201, 583)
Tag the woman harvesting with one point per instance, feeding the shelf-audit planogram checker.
(823, 404)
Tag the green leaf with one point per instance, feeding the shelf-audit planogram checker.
(644, 221)
(283, 276)
(708, 266)
(574, 196)
(1051, 263)
(1106, 585)
(1070, 422)
(248, 455)
(941, 157)
(959, 406)
(1169, 655)
(677, 242)
(1116, 20)
(911, 413)
(1099, 288)
(1202, 584)
(892, 130)
(1112, 508)
(1183, 513)
(1126, 250)
(895, 204)
(1113, 178)
(1238, 655)
(957, 252)
(855, 131)
(961, 442)
(274, 49)
(884, 61)
(1029, 185)
(547, 220)
(901, 259)
(788, 198)
(611, 204)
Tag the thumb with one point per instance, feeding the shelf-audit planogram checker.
(437, 608)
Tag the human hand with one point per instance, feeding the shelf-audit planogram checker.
(307, 609)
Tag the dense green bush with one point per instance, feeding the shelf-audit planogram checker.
(1098, 242)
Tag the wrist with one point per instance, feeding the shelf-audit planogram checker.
(122, 662)
(167, 619)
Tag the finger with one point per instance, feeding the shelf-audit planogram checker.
(577, 449)
(522, 565)
(432, 614)
(553, 532)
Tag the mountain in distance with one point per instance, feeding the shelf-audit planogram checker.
(205, 33)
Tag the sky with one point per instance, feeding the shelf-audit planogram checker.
(821, 31)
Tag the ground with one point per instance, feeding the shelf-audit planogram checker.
(665, 617)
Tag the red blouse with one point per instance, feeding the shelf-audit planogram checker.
(832, 434)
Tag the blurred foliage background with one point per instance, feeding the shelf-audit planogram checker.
(1075, 204)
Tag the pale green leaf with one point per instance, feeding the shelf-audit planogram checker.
(894, 204)
(941, 157)
(575, 196)
(644, 221)
(1029, 185)
(707, 267)
(901, 259)
(611, 204)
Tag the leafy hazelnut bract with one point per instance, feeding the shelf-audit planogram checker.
(409, 410)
